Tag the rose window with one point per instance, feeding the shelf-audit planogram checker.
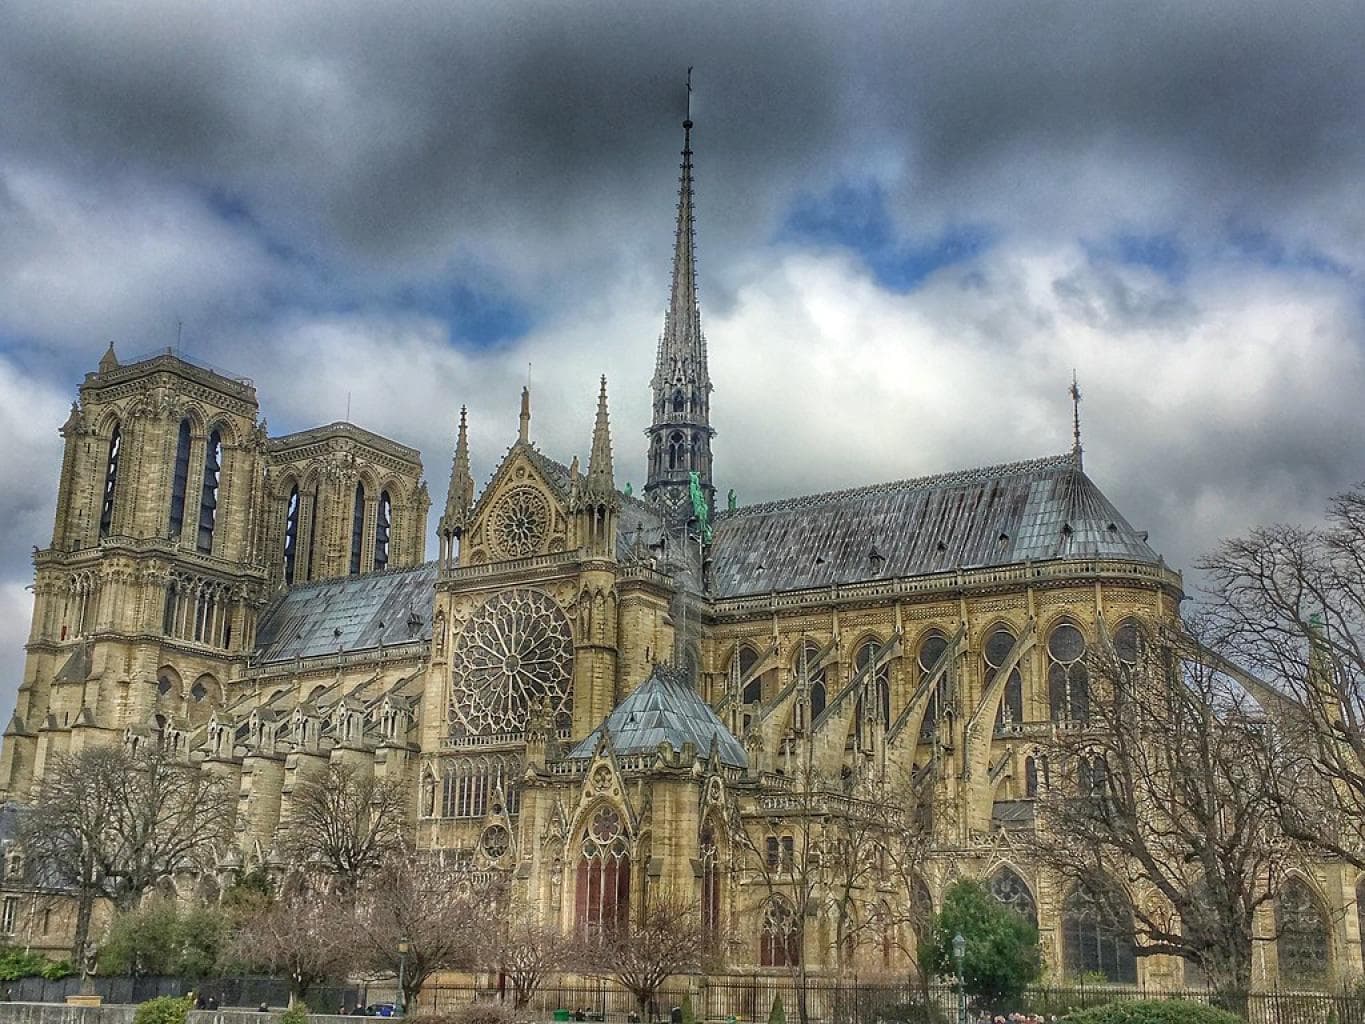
(495, 841)
(519, 522)
(515, 650)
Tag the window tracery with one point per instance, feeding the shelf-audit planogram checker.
(1068, 687)
(995, 653)
(469, 786)
(515, 651)
(779, 942)
(1097, 936)
(519, 523)
(1012, 891)
(602, 886)
(1303, 943)
(930, 651)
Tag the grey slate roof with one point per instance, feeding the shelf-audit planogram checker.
(317, 618)
(664, 709)
(1000, 515)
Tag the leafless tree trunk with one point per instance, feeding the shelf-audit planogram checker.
(1169, 786)
(347, 823)
(307, 937)
(445, 917)
(666, 938)
(108, 823)
(526, 951)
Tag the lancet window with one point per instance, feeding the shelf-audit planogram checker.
(357, 528)
(382, 527)
(602, 885)
(110, 481)
(208, 500)
(930, 651)
(710, 879)
(1068, 682)
(180, 480)
(779, 941)
(470, 786)
(291, 535)
(1012, 891)
(996, 653)
(1097, 936)
(819, 694)
(1304, 942)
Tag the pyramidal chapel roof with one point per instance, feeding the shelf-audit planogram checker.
(664, 709)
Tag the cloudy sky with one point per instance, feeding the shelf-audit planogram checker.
(914, 221)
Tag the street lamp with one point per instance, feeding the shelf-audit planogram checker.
(402, 965)
(959, 954)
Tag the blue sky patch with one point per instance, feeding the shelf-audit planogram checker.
(478, 318)
(853, 215)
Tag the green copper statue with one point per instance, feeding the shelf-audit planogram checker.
(730, 500)
(699, 508)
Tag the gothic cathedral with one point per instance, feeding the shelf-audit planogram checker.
(594, 693)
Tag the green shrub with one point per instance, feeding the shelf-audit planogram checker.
(163, 1010)
(777, 1015)
(917, 1012)
(16, 963)
(1153, 1011)
(1002, 948)
(296, 1014)
(160, 938)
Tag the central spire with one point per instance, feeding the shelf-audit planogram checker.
(680, 435)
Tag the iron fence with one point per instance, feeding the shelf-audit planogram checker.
(749, 999)
(247, 991)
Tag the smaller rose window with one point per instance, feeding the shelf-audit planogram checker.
(520, 522)
(496, 841)
(605, 835)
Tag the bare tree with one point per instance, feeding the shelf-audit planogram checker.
(444, 916)
(666, 938)
(1168, 786)
(525, 950)
(1289, 604)
(346, 823)
(307, 937)
(110, 823)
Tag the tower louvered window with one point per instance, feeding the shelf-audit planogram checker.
(208, 502)
(382, 526)
(180, 481)
(291, 535)
(110, 482)
(357, 529)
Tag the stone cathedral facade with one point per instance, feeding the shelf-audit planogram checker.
(585, 686)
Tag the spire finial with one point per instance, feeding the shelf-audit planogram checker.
(1075, 392)
(460, 494)
(524, 434)
(109, 361)
(600, 477)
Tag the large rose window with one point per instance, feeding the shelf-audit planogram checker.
(520, 522)
(515, 650)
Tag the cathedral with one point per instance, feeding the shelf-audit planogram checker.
(587, 688)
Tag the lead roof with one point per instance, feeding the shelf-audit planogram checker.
(664, 709)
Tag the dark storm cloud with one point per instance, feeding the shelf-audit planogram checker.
(398, 133)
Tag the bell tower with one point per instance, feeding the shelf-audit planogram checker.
(680, 435)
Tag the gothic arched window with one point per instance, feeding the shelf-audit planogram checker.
(383, 523)
(1303, 943)
(1097, 936)
(995, 654)
(1012, 891)
(357, 528)
(710, 879)
(291, 535)
(1030, 776)
(602, 886)
(110, 481)
(208, 499)
(931, 649)
(780, 940)
(679, 401)
(180, 481)
(1068, 684)
(881, 677)
(677, 451)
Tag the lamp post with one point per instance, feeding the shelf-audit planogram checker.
(959, 954)
(402, 965)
